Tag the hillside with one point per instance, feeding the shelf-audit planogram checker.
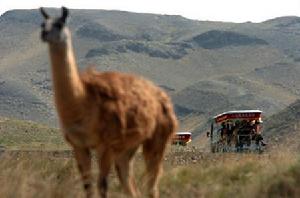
(207, 67)
(25, 135)
(283, 128)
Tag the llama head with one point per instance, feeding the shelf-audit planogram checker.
(54, 29)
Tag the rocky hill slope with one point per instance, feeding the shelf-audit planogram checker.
(283, 128)
(207, 67)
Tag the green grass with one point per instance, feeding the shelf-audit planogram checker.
(18, 134)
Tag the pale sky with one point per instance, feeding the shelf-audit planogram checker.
(212, 10)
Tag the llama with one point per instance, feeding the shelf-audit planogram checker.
(112, 113)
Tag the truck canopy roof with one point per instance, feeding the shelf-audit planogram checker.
(183, 133)
(240, 114)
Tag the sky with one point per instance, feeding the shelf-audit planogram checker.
(212, 10)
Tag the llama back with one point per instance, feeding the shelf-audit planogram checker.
(103, 84)
(132, 102)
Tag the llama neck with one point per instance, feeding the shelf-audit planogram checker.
(68, 88)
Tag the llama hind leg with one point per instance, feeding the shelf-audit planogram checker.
(83, 158)
(124, 170)
(105, 161)
(153, 151)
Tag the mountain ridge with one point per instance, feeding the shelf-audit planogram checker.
(235, 65)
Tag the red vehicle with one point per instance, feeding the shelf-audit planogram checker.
(182, 138)
(237, 131)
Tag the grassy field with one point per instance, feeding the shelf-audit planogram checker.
(189, 173)
(35, 162)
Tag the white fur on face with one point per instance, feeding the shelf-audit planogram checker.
(54, 31)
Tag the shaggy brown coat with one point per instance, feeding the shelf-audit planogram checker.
(112, 113)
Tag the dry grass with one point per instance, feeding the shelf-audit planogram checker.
(235, 175)
(188, 173)
(37, 176)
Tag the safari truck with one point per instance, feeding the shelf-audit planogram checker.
(182, 138)
(237, 131)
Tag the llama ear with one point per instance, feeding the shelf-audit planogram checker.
(43, 12)
(65, 13)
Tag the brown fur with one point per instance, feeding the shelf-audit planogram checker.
(112, 113)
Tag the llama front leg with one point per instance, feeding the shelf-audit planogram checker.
(105, 161)
(83, 158)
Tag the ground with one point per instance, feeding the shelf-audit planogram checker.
(43, 171)
(188, 173)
